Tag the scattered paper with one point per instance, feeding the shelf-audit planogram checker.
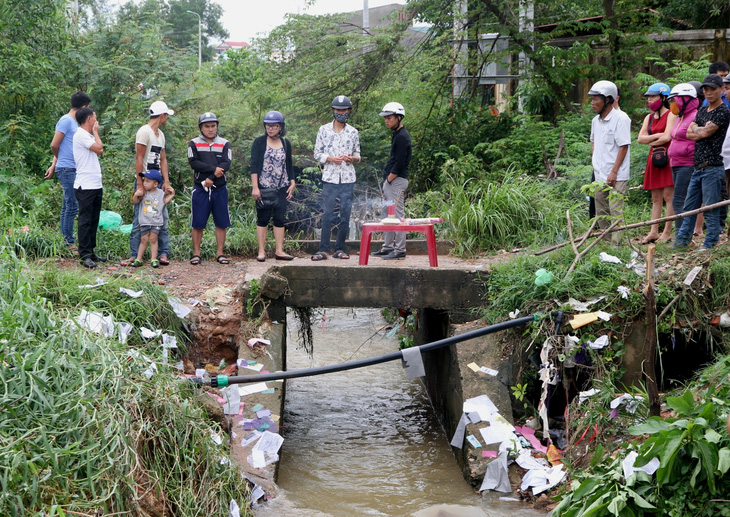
(583, 306)
(583, 319)
(413, 362)
(529, 434)
(232, 397)
(200, 372)
(248, 389)
(149, 334)
(216, 437)
(488, 371)
(474, 367)
(269, 442)
(510, 499)
(631, 401)
(541, 480)
(473, 441)
(605, 257)
(496, 433)
(624, 291)
(584, 395)
(599, 343)
(105, 325)
(177, 305)
(458, 439)
(250, 437)
(692, 275)
(482, 405)
(257, 493)
(514, 314)
(129, 292)
(496, 477)
(605, 316)
(99, 281)
(254, 340)
(629, 468)
(233, 509)
(528, 462)
(489, 454)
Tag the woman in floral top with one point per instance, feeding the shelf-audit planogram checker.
(272, 178)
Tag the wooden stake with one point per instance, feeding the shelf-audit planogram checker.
(651, 334)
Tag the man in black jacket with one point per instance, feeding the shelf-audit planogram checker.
(210, 157)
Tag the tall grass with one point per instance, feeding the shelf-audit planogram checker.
(81, 430)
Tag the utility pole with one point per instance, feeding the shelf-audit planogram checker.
(200, 23)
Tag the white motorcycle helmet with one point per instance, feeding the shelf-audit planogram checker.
(393, 108)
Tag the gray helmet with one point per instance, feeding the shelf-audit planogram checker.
(207, 117)
(341, 102)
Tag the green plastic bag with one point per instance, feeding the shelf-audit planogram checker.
(127, 228)
(543, 277)
(109, 220)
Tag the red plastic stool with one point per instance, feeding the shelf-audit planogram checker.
(369, 228)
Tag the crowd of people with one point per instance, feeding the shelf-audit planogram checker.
(689, 159)
(76, 147)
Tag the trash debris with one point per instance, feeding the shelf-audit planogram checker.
(177, 305)
(605, 257)
(692, 275)
(99, 281)
(489, 454)
(216, 437)
(543, 277)
(583, 306)
(149, 334)
(248, 389)
(474, 441)
(413, 362)
(585, 395)
(603, 315)
(599, 343)
(250, 365)
(637, 265)
(541, 479)
(629, 468)
(631, 401)
(130, 293)
(105, 325)
(254, 340)
(232, 398)
(233, 509)
(580, 320)
(514, 314)
(724, 320)
(496, 477)
(624, 291)
(529, 434)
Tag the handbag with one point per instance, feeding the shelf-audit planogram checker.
(269, 198)
(659, 157)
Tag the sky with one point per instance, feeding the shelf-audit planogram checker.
(246, 19)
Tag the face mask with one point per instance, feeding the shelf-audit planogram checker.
(654, 106)
(342, 117)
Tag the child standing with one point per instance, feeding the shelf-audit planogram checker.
(152, 200)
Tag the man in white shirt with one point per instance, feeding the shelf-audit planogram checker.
(610, 141)
(87, 148)
(337, 148)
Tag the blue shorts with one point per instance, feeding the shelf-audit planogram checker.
(215, 202)
(145, 229)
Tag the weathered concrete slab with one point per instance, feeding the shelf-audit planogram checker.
(374, 286)
(413, 246)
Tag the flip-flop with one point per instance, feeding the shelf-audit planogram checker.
(261, 259)
(164, 261)
(283, 257)
(341, 255)
(222, 259)
(127, 262)
(319, 256)
(195, 260)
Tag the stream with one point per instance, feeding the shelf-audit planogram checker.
(366, 442)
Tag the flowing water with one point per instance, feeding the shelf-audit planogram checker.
(366, 442)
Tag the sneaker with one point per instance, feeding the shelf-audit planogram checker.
(97, 258)
(381, 253)
(395, 255)
(88, 263)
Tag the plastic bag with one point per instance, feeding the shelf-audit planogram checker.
(109, 220)
(127, 228)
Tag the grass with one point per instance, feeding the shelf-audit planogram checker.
(81, 430)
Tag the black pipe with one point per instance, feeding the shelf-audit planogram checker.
(222, 380)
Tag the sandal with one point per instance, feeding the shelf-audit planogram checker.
(164, 261)
(261, 259)
(319, 256)
(222, 259)
(155, 263)
(341, 255)
(195, 260)
(127, 262)
(283, 257)
(137, 263)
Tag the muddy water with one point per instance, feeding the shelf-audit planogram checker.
(366, 442)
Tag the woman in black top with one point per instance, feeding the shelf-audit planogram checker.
(272, 178)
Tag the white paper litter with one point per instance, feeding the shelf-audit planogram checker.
(579, 306)
(254, 340)
(528, 462)
(605, 316)
(130, 293)
(233, 509)
(488, 371)
(599, 343)
(99, 281)
(269, 442)
(584, 395)
(200, 372)
(629, 469)
(260, 459)
(149, 334)
(605, 257)
(250, 437)
(177, 305)
(692, 275)
(482, 405)
(514, 314)
(496, 477)
(215, 437)
(496, 433)
(232, 397)
(241, 363)
(632, 402)
(248, 389)
(624, 291)
(542, 479)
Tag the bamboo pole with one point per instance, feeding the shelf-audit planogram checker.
(651, 334)
(645, 223)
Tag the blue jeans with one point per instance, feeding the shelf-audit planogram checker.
(330, 193)
(680, 176)
(163, 239)
(705, 187)
(70, 207)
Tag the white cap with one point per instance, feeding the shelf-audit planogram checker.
(160, 108)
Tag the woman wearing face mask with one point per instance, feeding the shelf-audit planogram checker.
(683, 103)
(273, 182)
(656, 132)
